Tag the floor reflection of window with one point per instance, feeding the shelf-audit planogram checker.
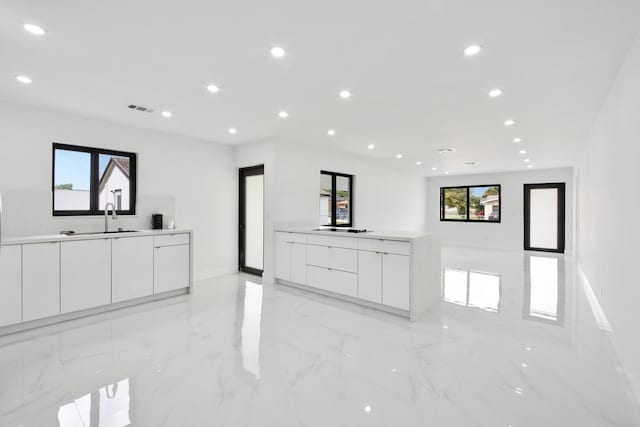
(484, 291)
(251, 328)
(543, 301)
(472, 289)
(112, 409)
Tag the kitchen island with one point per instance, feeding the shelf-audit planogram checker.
(53, 278)
(393, 271)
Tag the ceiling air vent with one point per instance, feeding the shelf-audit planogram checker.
(140, 108)
(471, 164)
(446, 150)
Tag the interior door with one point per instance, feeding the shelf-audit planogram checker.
(544, 217)
(251, 232)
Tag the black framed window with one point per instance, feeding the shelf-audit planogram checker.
(86, 179)
(336, 199)
(471, 203)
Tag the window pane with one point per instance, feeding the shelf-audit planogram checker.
(326, 190)
(455, 203)
(72, 181)
(484, 204)
(343, 200)
(114, 185)
(484, 291)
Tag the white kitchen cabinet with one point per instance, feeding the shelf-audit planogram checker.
(10, 285)
(171, 268)
(40, 280)
(298, 263)
(132, 268)
(283, 260)
(396, 281)
(333, 257)
(370, 276)
(85, 271)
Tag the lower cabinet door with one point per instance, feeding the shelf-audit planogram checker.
(396, 281)
(283, 260)
(370, 276)
(10, 285)
(132, 268)
(85, 271)
(171, 268)
(40, 280)
(299, 263)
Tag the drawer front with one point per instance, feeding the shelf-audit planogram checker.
(283, 236)
(338, 242)
(385, 246)
(171, 240)
(333, 280)
(334, 258)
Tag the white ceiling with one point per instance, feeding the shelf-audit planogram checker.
(413, 89)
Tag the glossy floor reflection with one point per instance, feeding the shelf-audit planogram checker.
(513, 343)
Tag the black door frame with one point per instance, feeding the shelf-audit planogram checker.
(242, 174)
(561, 187)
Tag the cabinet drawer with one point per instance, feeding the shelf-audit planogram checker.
(171, 240)
(338, 242)
(385, 246)
(334, 258)
(336, 281)
(283, 236)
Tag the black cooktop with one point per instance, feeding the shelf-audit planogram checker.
(345, 230)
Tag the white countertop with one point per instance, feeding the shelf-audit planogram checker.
(64, 238)
(375, 234)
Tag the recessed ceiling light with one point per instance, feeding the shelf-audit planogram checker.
(371, 146)
(530, 166)
(24, 79)
(398, 156)
(523, 151)
(494, 93)
(283, 114)
(34, 29)
(418, 163)
(233, 131)
(345, 93)
(509, 122)
(472, 50)
(446, 173)
(517, 140)
(434, 168)
(331, 132)
(527, 160)
(213, 88)
(367, 409)
(277, 52)
(166, 114)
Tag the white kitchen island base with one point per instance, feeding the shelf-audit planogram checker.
(396, 272)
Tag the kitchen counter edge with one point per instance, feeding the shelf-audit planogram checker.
(64, 238)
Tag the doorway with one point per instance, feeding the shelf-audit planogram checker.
(544, 217)
(251, 221)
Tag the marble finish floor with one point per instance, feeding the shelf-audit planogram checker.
(513, 343)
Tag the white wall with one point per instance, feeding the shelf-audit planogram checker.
(509, 233)
(384, 198)
(193, 181)
(608, 179)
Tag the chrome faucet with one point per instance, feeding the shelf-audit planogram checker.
(114, 215)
